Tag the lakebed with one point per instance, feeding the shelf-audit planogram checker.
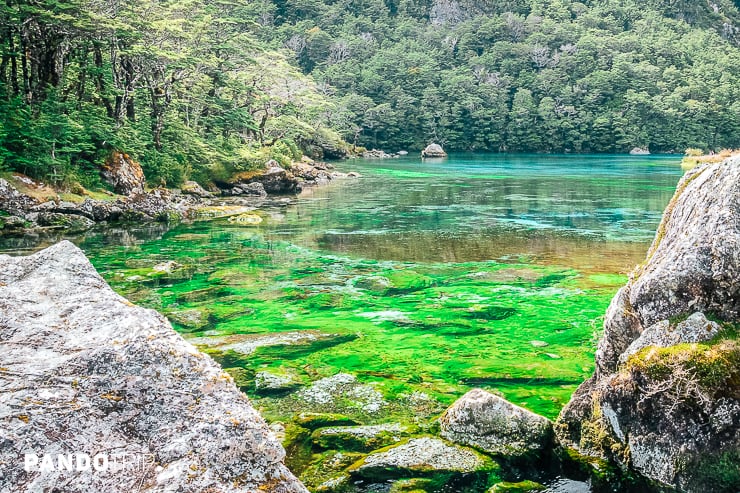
(386, 298)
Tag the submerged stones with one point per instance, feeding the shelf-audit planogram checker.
(266, 382)
(420, 457)
(492, 424)
(359, 438)
(342, 392)
(246, 344)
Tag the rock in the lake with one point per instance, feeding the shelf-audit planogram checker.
(266, 382)
(313, 421)
(640, 151)
(433, 150)
(12, 223)
(123, 174)
(84, 371)
(419, 457)
(274, 179)
(342, 393)
(74, 223)
(664, 400)
(359, 438)
(377, 154)
(254, 189)
(489, 423)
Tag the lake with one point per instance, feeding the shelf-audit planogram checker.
(422, 279)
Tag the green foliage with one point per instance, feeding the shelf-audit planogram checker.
(181, 86)
(195, 89)
(521, 75)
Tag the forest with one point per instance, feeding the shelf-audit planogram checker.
(197, 89)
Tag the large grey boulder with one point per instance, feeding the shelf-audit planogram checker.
(85, 372)
(433, 150)
(494, 425)
(664, 400)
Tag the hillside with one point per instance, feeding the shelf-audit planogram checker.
(199, 90)
(182, 86)
(521, 75)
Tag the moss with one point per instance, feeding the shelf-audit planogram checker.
(345, 439)
(717, 472)
(297, 444)
(520, 487)
(313, 421)
(714, 365)
(327, 465)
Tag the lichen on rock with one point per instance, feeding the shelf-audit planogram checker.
(489, 423)
(85, 371)
(664, 401)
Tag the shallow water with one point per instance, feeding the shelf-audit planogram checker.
(432, 278)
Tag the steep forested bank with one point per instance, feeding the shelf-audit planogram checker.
(521, 75)
(182, 86)
(198, 89)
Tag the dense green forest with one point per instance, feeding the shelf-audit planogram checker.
(196, 88)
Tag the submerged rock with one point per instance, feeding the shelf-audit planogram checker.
(342, 392)
(433, 150)
(246, 344)
(419, 457)
(664, 400)
(494, 425)
(85, 371)
(266, 382)
(359, 438)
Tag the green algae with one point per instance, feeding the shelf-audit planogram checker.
(431, 279)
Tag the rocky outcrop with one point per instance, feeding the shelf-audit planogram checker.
(273, 179)
(489, 423)
(86, 372)
(194, 188)
(14, 202)
(433, 150)
(123, 174)
(664, 400)
(640, 151)
(377, 154)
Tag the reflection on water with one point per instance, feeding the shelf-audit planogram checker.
(590, 212)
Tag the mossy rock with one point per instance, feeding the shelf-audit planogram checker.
(327, 465)
(313, 421)
(359, 438)
(520, 487)
(244, 379)
(193, 319)
(424, 457)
